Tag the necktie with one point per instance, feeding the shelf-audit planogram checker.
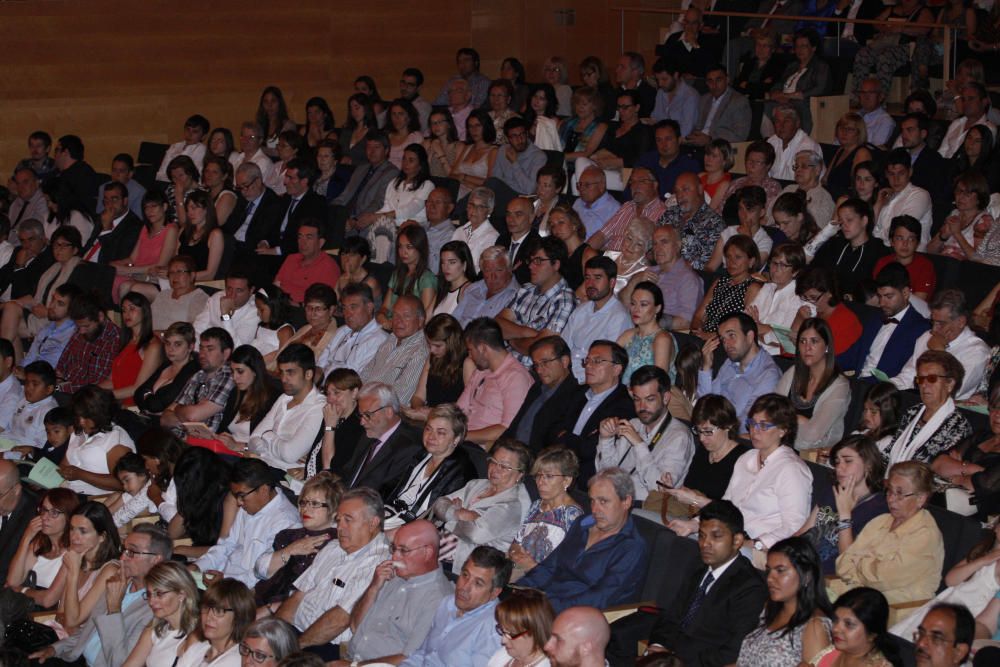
(241, 233)
(513, 250)
(699, 599)
(367, 461)
(288, 214)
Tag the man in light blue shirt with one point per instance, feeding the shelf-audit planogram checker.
(601, 316)
(518, 162)
(879, 125)
(463, 631)
(594, 205)
(748, 371)
(675, 98)
(487, 297)
(49, 343)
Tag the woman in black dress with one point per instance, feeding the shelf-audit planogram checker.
(342, 428)
(443, 378)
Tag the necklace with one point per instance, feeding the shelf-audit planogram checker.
(514, 661)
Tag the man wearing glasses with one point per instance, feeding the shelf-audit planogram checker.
(107, 637)
(264, 511)
(326, 593)
(391, 619)
(17, 509)
(389, 453)
(258, 214)
(698, 225)
(944, 636)
(645, 202)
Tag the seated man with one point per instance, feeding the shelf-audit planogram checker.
(440, 227)
(645, 203)
(542, 419)
(518, 162)
(944, 636)
(600, 316)
(399, 361)
(354, 344)
(494, 392)
(950, 332)
(39, 160)
(602, 560)
(29, 204)
(543, 306)
(463, 630)
(721, 604)
(675, 99)
(478, 84)
(123, 171)
(233, 309)
(682, 288)
(106, 638)
(902, 198)
(653, 446)
(519, 239)
(579, 638)
(311, 264)
(251, 141)
(76, 182)
(390, 620)
(879, 125)
(789, 138)
(205, 395)
(595, 205)
(264, 510)
(19, 507)
(116, 230)
(88, 354)
(320, 606)
(489, 296)
(365, 192)
(257, 216)
(698, 224)
(21, 274)
(667, 161)
(195, 130)
(391, 447)
(49, 343)
(291, 426)
(747, 372)
(723, 112)
(975, 110)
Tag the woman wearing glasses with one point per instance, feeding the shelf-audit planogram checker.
(770, 485)
(227, 610)
(936, 425)
(549, 517)
(900, 553)
(524, 623)
(488, 511)
(35, 568)
(775, 302)
(268, 642)
(293, 549)
(172, 596)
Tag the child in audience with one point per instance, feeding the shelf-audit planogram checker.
(27, 427)
(134, 500)
(59, 424)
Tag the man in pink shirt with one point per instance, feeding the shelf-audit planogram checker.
(495, 391)
(309, 265)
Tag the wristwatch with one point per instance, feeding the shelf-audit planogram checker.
(329, 429)
(226, 317)
(759, 546)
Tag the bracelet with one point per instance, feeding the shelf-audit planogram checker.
(284, 558)
(845, 524)
(329, 429)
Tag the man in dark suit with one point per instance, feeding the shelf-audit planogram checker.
(77, 182)
(18, 505)
(542, 419)
(887, 340)
(354, 209)
(393, 447)
(721, 604)
(118, 230)
(520, 238)
(605, 397)
(257, 215)
(28, 262)
(928, 167)
(298, 204)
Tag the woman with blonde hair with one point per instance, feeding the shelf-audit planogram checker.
(853, 138)
(173, 598)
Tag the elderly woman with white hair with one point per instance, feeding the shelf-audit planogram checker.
(807, 169)
(478, 233)
(633, 257)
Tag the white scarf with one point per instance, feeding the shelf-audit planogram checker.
(900, 450)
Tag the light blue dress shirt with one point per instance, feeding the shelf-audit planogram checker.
(468, 640)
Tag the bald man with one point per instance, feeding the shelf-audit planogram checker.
(698, 225)
(393, 616)
(17, 508)
(579, 637)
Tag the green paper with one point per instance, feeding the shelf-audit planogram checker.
(6, 444)
(981, 409)
(782, 334)
(46, 474)
(879, 375)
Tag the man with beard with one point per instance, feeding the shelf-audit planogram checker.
(88, 354)
(600, 316)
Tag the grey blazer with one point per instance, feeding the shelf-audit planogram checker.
(372, 195)
(732, 120)
(118, 633)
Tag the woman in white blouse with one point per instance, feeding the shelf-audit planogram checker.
(820, 393)
(97, 445)
(406, 195)
(405, 130)
(172, 596)
(775, 302)
(227, 610)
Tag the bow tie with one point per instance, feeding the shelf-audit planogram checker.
(890, 320)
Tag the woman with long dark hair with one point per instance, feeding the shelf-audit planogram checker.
(152, 252)
(249, 401)
(94, 545)
(543, 126)
(217, 177)
(274, 330)
(456, 272)
(860, 632)
(442, 144)
(272, 117)
(404, 129)
(411, 276)
(406, 195)
(202, 239)
(97, 444)
(475, 164)
(442, 379)
(360, 119)
(319, 122)
(141, 352)
(205, 508)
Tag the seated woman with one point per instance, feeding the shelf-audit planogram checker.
(974, 465)
(227, 610)
(977, 155)
(512, 70)
(860, 631)
(319, 303)
(647, 343)
(342, 428)
(442, 144)
(625, 140)
(556, 74)
(204, 508)
(411, 276)
(549, 184)
(541, 116)
(818, 287)
(443, 377)
(864, 186)
(141, 352)
(549, 517)
(251, 398)
(293, 549)
(96, 446)
(594, 73)
(751, 202)
(319, 122)
(202, 239)
(852, 135)
(183, 301)
(487, 511)
(274, 330)
(842, 508)
(564, 223)
(272, 117)
(161, 450)
(808, 75)
(172, 597)
(900, 553)
(820, 392)
(807, 167)
(880, 414)
(715, 180)
(269, 637)
(795, 624)
(795, 223)
(964, 229)
(475, 164)
(355, 254)
(333, 176)
(775, 302)
(851, 254)
(165, 384)
(34, 570)
(220, 143)
(456, 272)
(360, 120)
(728, 294)
(403, 129)
(758, 160)
(524, 623)
(634, 255)
(152, 252)
(405, 197)
(686, 364)
(444, 469)
(761, 68)
(935, 425)
(217, 177)
(63, 213)
(770, 484)
(583, 134)
(499, 98)
(184, 180)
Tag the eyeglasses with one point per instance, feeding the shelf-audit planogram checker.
(593, 361)
(63, 245)
(542, 362)
(52, 512)
(780, 265)
(708, 431)
(547, 476)
(538, 261)
(797, 167)
(241, 496)
(813, 299)
(132, 553)
(506, 467)
(936, 638)
(892, 493)
(758, 426)
(405, 551)
(930, 378)
(219, 612)
(313, 504)
(367, 416)
(155, 594)
(508, 634)
(258, 656)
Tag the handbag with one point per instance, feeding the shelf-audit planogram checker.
(29, 636)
